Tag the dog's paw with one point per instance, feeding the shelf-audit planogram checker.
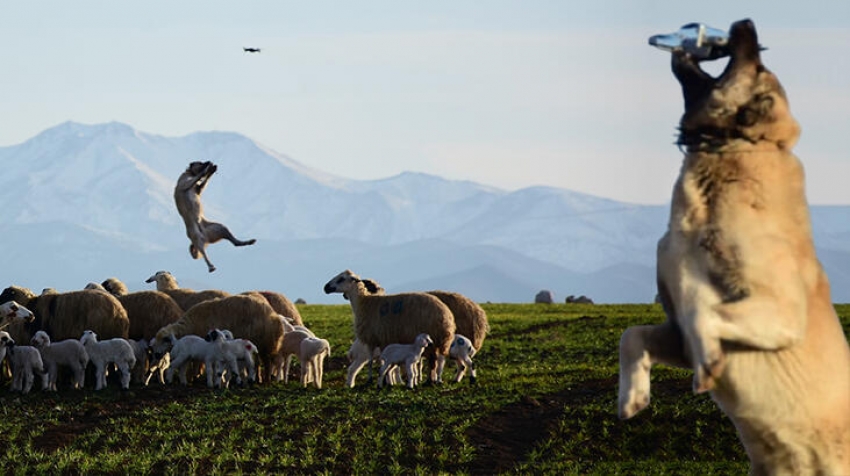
(633, 395)
(707, 374)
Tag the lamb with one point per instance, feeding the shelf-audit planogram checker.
(408, 355)
(289, 325)
(187, 196)
(312, 357)
(111, 351)
(157, 365)
(148, 311)
(184, 297)
(141, 350)
(462, 351)
(470, 318)
(67, 315)
(243, 350)
(380, 320)
(291, 345)
(249, 317)
(210, 351)
(26, 363)
(359, 356)
(23, 364)
(68, 353)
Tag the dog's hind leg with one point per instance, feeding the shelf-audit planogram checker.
(640, 348)
(216, 231)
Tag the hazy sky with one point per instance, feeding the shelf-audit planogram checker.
(505, 93)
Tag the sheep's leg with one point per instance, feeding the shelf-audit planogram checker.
(320, 370)
(286, 366)
(441, 364)
(99, 376)
(383, 373)
(640, 348)
(471, 365)
(412, 374)
(461, 370)
(305, 370)
(125, 375)
(28, 381)
(353, 369)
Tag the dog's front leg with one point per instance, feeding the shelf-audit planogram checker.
(640, 348)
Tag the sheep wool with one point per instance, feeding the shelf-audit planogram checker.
(148, 311)
(67, 315)
(380, 320)
(248, 317)
(184, 297)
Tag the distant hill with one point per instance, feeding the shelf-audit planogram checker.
(87, 202)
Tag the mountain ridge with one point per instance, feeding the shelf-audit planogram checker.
(110, 185)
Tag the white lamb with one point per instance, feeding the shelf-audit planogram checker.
(211, 352)
(290, 346)
(111, 351)
(141, 349)
(68, 353)
(408, 355)
(289, 325)
(462, 351)
(26, 363)
(358, 357)
(312, 357)
(243, 350)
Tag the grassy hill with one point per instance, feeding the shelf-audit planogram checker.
(544, 403)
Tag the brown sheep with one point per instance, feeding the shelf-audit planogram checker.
(67, 315)
(148, 311)
(281, 304)
(184, 297)
(470, 318)
(247, 317)
(380, 320)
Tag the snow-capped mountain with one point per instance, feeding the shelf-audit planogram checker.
(91, 201)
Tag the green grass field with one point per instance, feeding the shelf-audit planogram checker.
(545, 403)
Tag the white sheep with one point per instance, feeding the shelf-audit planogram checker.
(291, 345)
(462, 351)
(408, 355)
(380, 320)
(141, 349)
(243, 350)
(111, 351)
(26, 363)
(157, 365)
(359, 356)
(195, 348)
(312, 357)
(68, 353)
(289, 325)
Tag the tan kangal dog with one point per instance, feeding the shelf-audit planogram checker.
(187, 195)
(748, 305)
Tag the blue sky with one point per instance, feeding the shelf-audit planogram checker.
(506, 93)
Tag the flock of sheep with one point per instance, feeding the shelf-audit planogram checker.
(233, 339)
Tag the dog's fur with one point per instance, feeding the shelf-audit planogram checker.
(187, 196)
(748, 304)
